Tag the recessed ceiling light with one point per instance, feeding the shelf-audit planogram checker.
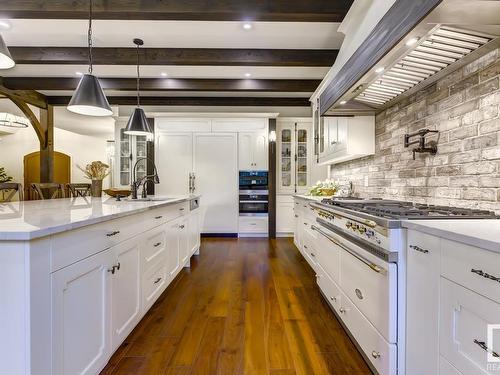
(342, 102)
(380, 69)
(248, 75)
(5, 25)
(411, 42)
(247, 26)
(163, 74)
(79, 74)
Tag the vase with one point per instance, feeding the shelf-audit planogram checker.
(96, 188)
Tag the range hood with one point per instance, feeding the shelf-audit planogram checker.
(453, 34)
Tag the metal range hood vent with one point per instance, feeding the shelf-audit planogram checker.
(440, 48)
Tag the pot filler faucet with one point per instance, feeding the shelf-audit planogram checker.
(136, 183)
(431, 148)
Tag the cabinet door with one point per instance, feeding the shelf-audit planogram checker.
(81, 306)
(260, 151)
(286, 162)
(184, 249)
(245, 151)
(194, 232)
(173, 261)
(303, 155)
(123, 157)
(422, 306)
(174, 160)
(126, 300)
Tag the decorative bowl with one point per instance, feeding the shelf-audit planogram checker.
(328, 191)
(113, 192)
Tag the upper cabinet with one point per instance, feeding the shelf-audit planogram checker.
(252, 150)
(294, 140)
(340, 139)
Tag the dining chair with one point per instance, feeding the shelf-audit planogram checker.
(79, 190)
(54, 190)
(9, 190)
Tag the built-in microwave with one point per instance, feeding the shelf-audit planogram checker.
(253, 180)
(254, 202)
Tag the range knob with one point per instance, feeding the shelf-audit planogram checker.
(362, 230)
(348, 224)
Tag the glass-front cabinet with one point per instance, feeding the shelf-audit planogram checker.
(294, 156)
(130, 149)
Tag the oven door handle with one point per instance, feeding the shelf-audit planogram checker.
(254, 201)
(372, 265)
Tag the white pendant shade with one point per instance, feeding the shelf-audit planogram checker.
(6, 61)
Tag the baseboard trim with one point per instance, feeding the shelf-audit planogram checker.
(228, 235)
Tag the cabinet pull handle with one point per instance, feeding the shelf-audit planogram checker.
(157, 280)
(158, 217)
(182, 226)
(118, 266)
(483, 346)
(375, 354)
(305, 247)
(419, 249)
(312, 254)
(157, 244)
(181, 209)
(114, 233)
(305, 223)
(485, 275)
(342, 310)
(112, 270)
(296, 215)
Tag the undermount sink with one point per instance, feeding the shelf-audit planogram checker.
(150, 199)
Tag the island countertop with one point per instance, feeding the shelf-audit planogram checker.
(28, 220)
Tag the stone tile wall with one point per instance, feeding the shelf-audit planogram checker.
(464, 107)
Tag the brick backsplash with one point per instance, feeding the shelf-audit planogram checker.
(464, 107)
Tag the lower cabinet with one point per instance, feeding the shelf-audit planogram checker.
(97, 301)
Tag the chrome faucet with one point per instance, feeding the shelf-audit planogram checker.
(136, 183)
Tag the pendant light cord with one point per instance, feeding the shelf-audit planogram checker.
(89, 40)
(138, 77)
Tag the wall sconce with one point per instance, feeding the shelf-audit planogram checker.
(272, 136)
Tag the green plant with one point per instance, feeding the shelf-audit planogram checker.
(3, 176)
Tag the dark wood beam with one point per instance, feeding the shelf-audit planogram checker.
(175, 56)
(197, 101)
(401, 18)
(166, 84)
(206, 10)
(47, 149)
(31, 97)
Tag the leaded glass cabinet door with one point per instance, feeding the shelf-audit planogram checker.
(286, 155)
(141, 152)
(302, 157)
(125, 161)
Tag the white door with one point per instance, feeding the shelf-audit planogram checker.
(194, 231)
(126, 300)
(246, 151)
(216, 168)
(260, 151)
(184, 249)
(174, 160)
(173, 263)
(81, 305)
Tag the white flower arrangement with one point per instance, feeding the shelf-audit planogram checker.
(326, 187)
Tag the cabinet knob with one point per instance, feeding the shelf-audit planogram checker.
(157, 280)
(312, 254)
(182, 226)
(375, 354)
(342, 310)
(419, 249)
(157, 244)
(114, 233)
(181, 209)
(158, 217)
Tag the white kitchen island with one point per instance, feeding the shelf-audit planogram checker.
(77, 275)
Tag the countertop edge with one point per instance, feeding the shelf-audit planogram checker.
(40, 233)
(453, 236)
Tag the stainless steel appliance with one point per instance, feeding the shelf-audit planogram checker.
(253, 194)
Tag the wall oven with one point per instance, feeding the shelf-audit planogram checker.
(254, 194)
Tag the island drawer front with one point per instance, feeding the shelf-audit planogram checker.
(162, 215)
(464, 320)
(329, 257)
(154, 283)
(379, 352)
(72, 246)
(330, 290)
(249, 224)
(154, 249)
(474, 268)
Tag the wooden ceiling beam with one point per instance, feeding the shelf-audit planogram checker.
(175, 56)
(27, 96)
(166, 84)
(196, 10)
(196, 101)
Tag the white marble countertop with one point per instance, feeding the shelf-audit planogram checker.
(482, 233)
(21, 221)
(310, 197)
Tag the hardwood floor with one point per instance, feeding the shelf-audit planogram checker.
(247, 306)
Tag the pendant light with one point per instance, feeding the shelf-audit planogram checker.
(138, 123)
(88, 98)
(6, 61)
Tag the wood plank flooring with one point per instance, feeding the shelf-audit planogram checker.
(246, 306)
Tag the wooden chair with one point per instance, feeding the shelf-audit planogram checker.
(55, 190)
(9, 190)
(79, 190)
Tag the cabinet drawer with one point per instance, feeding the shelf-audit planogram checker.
(154, 248)
(154, 283)
(329, 288)
(74, 245)
(256, 224)
(328, 256)
(472, 267)
(464, 320)
(379, 352)
(374, 292)
(163, 215)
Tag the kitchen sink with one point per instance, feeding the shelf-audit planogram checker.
(149, 199)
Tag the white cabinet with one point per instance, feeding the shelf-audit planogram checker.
(184, 249)
(294, 141)
(81, 315)
(173, 248)
(125, 294)
(345, 138)
(252, 151)
(194, 231)
(285, 221)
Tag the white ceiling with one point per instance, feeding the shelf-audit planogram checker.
(86, 125)
(174, 34)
